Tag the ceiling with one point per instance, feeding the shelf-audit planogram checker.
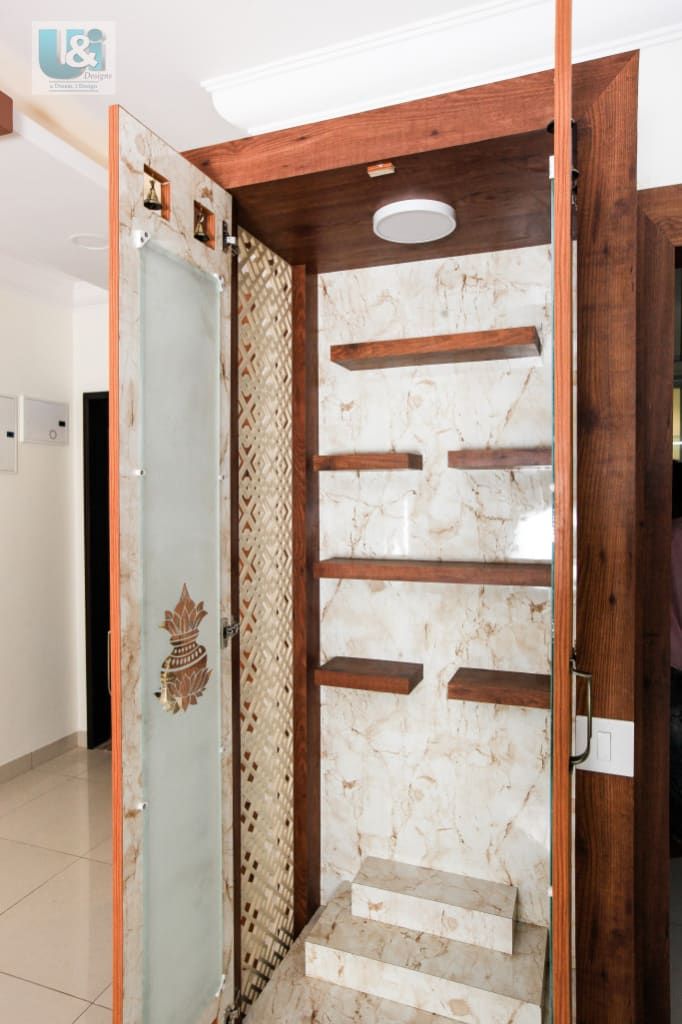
(499, 189)
(264, 65)
(49, 192)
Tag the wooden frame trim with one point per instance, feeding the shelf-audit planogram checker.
(306, 598)
(510, 107)
(659, 232)
(562, 691)
(114, 556)
(6, 114)
(606, 620)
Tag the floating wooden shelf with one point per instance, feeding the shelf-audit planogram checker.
(368, 460)
(514, 574)
(521, 689)
(472, 347)
(500, 458)
(370, 674)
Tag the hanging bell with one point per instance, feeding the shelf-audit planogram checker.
(151, 200)
(200, 231)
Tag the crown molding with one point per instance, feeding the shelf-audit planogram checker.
(416, 61)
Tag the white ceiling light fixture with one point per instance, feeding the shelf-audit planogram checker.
(414, 221)
(96, 243)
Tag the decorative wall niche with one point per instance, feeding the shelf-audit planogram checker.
(204, 225)
(157, 192)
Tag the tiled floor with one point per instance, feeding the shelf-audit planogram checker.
(55, 892)
(676, 940)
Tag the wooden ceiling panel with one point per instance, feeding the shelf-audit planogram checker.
(499, 188)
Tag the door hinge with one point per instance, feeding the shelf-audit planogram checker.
(228, 630)
(229, 241)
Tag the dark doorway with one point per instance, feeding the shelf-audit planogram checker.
(96, 488)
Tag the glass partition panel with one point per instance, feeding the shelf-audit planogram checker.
(180, 629)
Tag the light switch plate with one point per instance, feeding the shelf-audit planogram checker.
(8, 434)
(609, 736)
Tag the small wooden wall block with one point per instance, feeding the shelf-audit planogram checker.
(471, 347)
(520, 574)
(368, 461)
(370, 674)
(500, 458)
(520, 689)
(6, 114)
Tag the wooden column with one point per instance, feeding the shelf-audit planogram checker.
(606, 619)
(563, 520)
(659, 231)
(306, 593)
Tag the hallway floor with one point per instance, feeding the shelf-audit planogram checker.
(55, 892)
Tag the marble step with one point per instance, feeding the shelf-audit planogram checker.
(454, 980)
(451, 906)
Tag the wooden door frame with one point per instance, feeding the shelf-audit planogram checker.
(659, 233)
(604, 107)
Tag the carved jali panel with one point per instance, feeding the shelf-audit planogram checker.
(265, 541)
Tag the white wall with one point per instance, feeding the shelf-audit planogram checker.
(90, 373)
(659, 155)
(37, 691)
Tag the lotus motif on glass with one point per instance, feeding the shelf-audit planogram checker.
(184, 673)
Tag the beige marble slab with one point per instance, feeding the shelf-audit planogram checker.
(291, 998)
(453, 979)
(441, 903)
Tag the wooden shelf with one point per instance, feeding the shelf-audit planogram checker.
(500, 458)
(520, 689)
(368, 461)
(474, 346)
(370, 674)
(514, 574)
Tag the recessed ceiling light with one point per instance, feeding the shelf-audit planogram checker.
(94, 242)
(413, 221)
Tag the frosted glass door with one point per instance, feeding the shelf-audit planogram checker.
(180, 409)
(171, 672)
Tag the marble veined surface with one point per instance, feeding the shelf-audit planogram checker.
(458, 981)
(460, 787)
(426, 900)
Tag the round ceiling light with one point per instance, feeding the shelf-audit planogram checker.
(94, 242)
(412, 221)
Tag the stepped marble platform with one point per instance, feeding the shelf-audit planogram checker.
(291, 998)
(453, 980)
(450, 906)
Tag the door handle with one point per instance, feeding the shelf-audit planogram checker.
(577, 759)
(109, 661)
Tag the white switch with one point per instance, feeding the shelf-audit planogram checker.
(613, 745)
(603, 746)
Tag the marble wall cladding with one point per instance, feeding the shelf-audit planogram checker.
(459, 786)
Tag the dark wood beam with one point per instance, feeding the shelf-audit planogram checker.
(511, 107)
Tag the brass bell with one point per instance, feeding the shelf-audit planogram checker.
(152, 201)
(200, 231)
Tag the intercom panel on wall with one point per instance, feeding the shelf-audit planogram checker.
(44, 422)
(8, 434)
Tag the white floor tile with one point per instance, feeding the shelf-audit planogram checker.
(676, 890)
(60, 936)
(25, 1003)
(106, 998)
(80, 764)
(95, 1015)
(73, 817)
(20, 790)
(23, 868)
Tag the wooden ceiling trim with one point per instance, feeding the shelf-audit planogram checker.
(6, 114)
(512, 107)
